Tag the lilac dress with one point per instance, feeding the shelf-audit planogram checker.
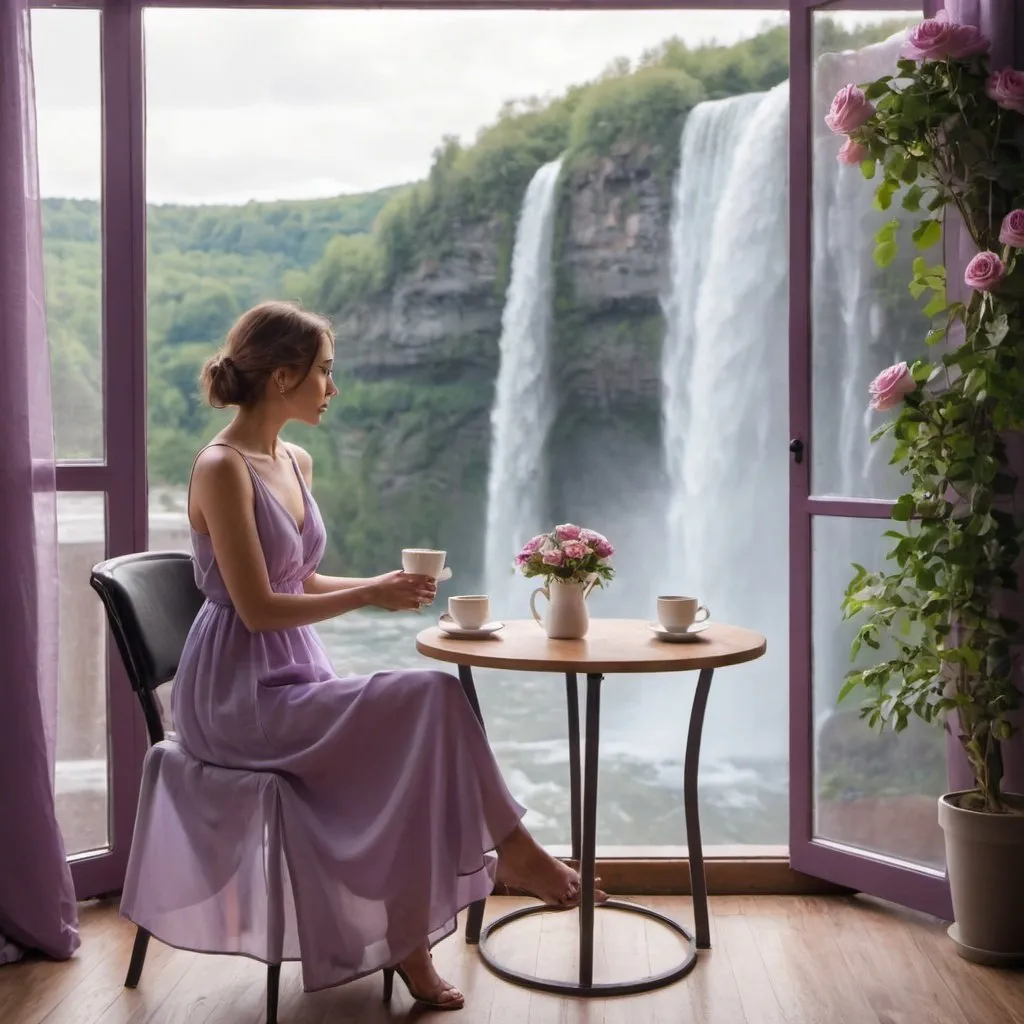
(365, 810)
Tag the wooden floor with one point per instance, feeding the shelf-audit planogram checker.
(776, 960)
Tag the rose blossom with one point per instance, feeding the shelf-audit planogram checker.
(853, 153)
(984, 272)
(968, 41)
(534, 544)
(575, 549)
(567, 531)
(603, 548)
(939, 38)
(850, 110)
(553, 557)
(1012, 230)
(891, 386)
(1006, 87)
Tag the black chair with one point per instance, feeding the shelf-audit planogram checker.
(151, 599)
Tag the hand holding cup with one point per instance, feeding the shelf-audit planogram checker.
(400, 591)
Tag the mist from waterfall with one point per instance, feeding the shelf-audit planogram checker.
(523, 409)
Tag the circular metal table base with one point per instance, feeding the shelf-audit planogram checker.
(574, 988)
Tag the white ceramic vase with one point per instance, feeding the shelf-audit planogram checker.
(565, 617)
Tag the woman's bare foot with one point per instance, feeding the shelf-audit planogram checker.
(426, 985)
(524, 864)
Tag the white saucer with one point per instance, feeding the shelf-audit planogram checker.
(687, 637)
(449, 626)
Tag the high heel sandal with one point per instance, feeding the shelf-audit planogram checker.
(433, 1004)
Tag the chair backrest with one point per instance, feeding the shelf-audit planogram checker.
(151, 599)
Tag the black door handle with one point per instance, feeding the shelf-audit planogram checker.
(796, 446)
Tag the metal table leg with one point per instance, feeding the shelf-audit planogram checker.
(572, 701)
(698, 883)
(585, 843)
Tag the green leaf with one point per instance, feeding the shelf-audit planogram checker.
(912, 198)
(867, 168)
(937, 304)
(886, 253)
(878, 88)
(927, 234)
(887, 233)
(884, 194)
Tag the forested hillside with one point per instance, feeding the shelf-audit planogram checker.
(415, 279)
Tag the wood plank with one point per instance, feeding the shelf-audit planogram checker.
(775, 960)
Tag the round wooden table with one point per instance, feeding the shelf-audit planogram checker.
(610, 646)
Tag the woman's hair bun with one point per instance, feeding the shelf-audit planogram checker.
(223, 383)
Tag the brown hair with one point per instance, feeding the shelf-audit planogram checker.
(271, 336)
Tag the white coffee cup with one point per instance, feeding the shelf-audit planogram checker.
(423, 561)
(470, 611)
(678, 614)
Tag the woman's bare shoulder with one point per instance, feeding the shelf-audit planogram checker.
(303, 459)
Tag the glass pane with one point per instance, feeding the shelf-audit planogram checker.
(876, 792)
(658, 237)
(82, 752)
(863, 317)
(66, 60)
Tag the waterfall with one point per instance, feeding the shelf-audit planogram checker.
(523, 409)
(706, 152)
(725, 386)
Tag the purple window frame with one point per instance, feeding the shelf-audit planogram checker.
(122, 474)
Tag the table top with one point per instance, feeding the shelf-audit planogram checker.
(611, 645)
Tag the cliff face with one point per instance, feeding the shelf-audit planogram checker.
(419, 361)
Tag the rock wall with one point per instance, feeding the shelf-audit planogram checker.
(419, 360)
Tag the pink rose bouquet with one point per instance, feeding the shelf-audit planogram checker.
(568, 553)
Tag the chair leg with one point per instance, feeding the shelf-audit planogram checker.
(389, 983)
(138, 958)
(475, 921)
(273, 984)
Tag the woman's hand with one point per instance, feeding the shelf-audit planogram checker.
(401, 592)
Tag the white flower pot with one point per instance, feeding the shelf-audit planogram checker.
(985, 863)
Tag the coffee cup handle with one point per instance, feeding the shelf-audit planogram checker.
(533, 603)
(702, 614)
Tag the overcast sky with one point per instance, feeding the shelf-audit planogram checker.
(271, 104)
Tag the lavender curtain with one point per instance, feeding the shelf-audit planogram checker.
(37, 899)
(1004, 25)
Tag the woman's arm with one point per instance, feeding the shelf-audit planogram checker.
(316, 583)
(223, 491)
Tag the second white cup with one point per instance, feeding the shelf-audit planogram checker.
(677, 614)
(470, 611)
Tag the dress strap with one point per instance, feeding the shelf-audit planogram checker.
(212, 444)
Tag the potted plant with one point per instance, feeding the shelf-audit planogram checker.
(946, 133)
(574, 560)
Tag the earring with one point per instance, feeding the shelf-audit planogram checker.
(281, 387)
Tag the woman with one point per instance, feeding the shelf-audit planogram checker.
(394, 797)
